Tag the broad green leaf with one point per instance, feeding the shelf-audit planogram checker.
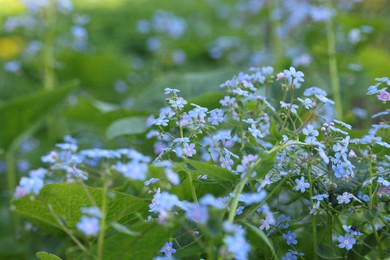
(326, 251)
(265, 164)
(376, 61)
(97, 72)
(65, 200)
(218, 181)
(146, 245)
(362, 249)
(274, 130)
(126, 126)
(192, 251)
(209, 100)
(47, 256)
(262, 236)
(123, 229)
(89, 115)
(17, 116)
(213, 172)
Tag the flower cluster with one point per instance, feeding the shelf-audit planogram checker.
(242, 169)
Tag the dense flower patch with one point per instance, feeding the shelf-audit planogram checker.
(250, 178)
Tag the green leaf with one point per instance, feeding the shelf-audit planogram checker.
(219, 181)
(213, 172)
(96, 72)
(144, 246)
(275, 133)
(17, 116)
(264, 164)
(90, 115)
(209, 100)
(65, 200)
(123, 229)
(326, 251)
(263, 237)
(47, 256)
(126, 126)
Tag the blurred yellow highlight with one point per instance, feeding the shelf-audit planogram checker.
(10, 47)
(11, 7)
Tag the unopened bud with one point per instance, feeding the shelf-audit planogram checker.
(351, 154)
(280, 76)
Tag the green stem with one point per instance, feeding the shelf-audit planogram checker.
(193, 192)
(242, 133)
(68, 231)
(102, 220)
(49, 78)
(333, 70)
(190, 180)
(330, 231)
(371, 194)
(211, 249)
(237, 193)
(48, 53)
(11, 171)
(313, 218)
(11, 183)
(378, 240)
(241, 184)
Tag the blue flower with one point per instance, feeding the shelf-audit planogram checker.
(197, 213)
(151, 181)
(182, 140)
(236, 243)
(178, 103)
(301, 185)
(292, 107)
(172, 176)
(228, 101)
(133, 170)
(226, 162)
(251, 198)
(216, 116)
(168, 249)
(294, 76)
(161, 121)
(289, 256)
(92, 211)
(239, 210)
(209, 200)
(12, 66)
(89, 226)
(265, 223)
(346, 241)
(163, 202)
(171, 91)
(283, 221)
(38, 173)
(307, 102)
(344, 198)
(255, 132)
(310, 133)
(320, 197)
(189, 149)
(29, 185)
(290, 238)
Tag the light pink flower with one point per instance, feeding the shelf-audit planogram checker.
(384, 95)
